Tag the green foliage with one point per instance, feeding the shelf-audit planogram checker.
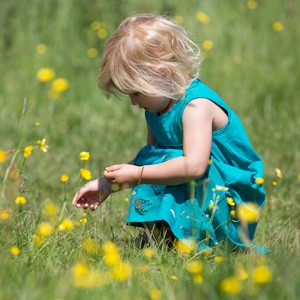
(252, 66)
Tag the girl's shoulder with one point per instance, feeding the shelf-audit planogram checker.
(199, 90)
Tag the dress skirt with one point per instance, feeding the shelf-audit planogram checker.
(197, 210)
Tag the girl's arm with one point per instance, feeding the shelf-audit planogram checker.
(197, 137)
(93, 193)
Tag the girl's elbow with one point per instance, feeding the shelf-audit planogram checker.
(197, 172)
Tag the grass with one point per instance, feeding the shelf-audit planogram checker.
(254, 68)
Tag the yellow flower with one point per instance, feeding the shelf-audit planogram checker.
(64, 177)
(230, 201)
(83, 221)
(211, 205)
(102, 33)
(109, 246)
(80, 269)
(41, 48)
(84, 155)
(38, 240)
(277, 26)
(173, 277)
(50, 209)
(241, 274)
(27, 151)
(15, 250)
(3, 156)
(248, 212)
(4, 215)
(221, 188)
(121, 271)
(60, 85)
(259, 180)
(96, 25)
(262, 274)
(43, 146)
(89, 245)
(126, 199)
(155, 294)
(251, 4)
(91, 279)
(203, 17)
(219, 259)
(92, 52)
(45, 74)
(45, 229)
(208, 44)
(186, 246)
(278, 173)
(194, 267)
(111, 254)
(232, 213)
(85, 277)
(178, 19)
(85, 174)
(20, 200)
(66, 224)
(37, 124)
(198, 278)
(148, 252)
(274, 183)
(230, 285)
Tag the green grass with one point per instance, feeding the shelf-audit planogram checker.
(262, 89)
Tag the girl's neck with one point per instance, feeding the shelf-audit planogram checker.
(169, 106)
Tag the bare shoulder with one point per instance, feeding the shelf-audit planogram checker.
(199, 106)
(208, 111)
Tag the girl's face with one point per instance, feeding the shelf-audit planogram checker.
(152, 104)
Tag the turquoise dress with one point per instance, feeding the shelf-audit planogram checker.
(200, 211)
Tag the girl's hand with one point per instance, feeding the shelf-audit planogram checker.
(124, 174)
(92, 194)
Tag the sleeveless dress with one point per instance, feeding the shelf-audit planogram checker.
(200, 211)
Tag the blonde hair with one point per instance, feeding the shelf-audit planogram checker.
(151, 55)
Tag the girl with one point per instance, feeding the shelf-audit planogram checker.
(198, 165)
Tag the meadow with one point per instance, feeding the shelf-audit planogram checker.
(53, 113)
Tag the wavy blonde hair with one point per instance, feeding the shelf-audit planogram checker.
(149, 54)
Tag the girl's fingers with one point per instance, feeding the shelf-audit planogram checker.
(112, 168)
(85, 206)
(77, 197)
(79, 194)
(109, 176)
